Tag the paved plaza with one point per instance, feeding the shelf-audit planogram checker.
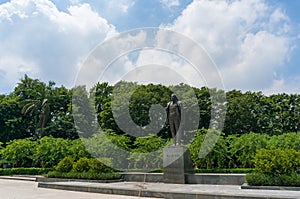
(27, 188)
(175, 191)
(20, 189)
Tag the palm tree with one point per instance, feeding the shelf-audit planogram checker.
(40, 109)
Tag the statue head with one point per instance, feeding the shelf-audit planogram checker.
(174, 98)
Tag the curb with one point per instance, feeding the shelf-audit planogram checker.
(246, 186)
(24, 178)
(46, 179)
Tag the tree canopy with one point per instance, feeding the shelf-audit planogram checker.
(36, 109)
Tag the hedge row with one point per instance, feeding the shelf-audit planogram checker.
(277, 161)
(24, 171)
(262, 179)
(279, 167)
(84, 168)
(216, 170)
(85, 175)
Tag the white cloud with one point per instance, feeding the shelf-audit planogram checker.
(248, 40)
(133, 53)
(121, 5)
(170, 3)
(279, 17)
(109, 61)
(259, 56)
(74, 1)
(49, 42)
(17, 67)
(169, 68)
(289, 86)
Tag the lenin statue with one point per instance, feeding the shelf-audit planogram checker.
(174, 116)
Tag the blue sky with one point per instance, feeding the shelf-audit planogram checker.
(254, 43)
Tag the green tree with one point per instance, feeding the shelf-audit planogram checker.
(84, 112)
(285, 113)
(148, 144)
(204, 103)
(33, 98)
(20, 152)
(61, 124)
(12, 124)
(209, 155)
(133, 109)
(144, 110)
(46, 108)
(49, 151)
(147, 153)
(243, 112)
(110, 145)
(243, 148)
(102, 93)
(39, 109)
(284, 141)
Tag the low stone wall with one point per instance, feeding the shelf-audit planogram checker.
(246, 186)
(201, 178)
(143, 177)
(44, 179)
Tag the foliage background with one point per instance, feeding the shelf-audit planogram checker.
(37, 126)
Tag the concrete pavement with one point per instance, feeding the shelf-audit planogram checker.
(24, 189)
(173, 191)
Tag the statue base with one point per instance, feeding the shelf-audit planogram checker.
(177, 162)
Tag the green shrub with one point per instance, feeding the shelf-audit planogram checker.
(153, 160)
(82, 165)
(85, 175)
(258, 179)
(243, 148)
(212, 154)
(108, 145)
(147, 153)
(50, 151)
(285, 141)
(45, 152)
(107, 161)
(235, 170)
(98, 167)
(6, 163)
(261, 179)
(24, 171)
(65, 165)
(19, 152)
(277, 161)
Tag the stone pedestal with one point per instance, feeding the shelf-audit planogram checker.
(177, 162)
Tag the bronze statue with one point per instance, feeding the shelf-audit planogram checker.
(174, 116)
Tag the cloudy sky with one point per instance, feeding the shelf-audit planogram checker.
(255, 44)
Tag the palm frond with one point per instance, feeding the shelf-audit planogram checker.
(28, 108)
(44, 102)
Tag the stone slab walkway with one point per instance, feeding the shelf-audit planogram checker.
(24, 189)
(174, 191)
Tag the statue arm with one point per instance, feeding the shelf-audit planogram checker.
(181, 112)
(167, 111)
